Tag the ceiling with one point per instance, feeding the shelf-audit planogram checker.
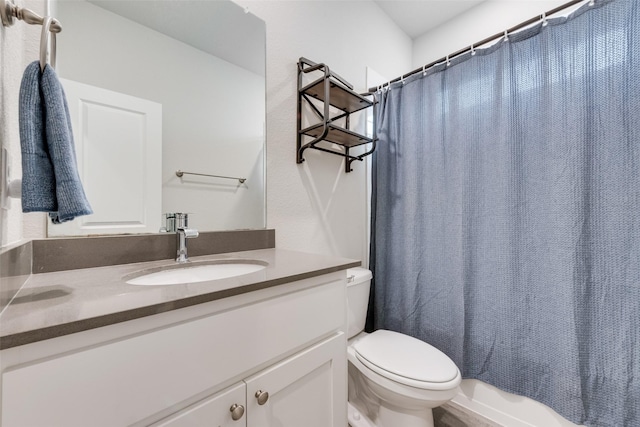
(416, 17)
(222, 29)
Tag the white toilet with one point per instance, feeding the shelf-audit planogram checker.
(394, 380)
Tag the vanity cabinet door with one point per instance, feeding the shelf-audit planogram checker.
(224, 409)
(307, 389)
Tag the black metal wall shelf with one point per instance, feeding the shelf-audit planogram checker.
(340, 97)
(337, 135)
(332, 91)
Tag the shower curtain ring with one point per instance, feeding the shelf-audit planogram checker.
(506, 35)
(473, 50)
(544, 19)
(448, 62)
(424, 70)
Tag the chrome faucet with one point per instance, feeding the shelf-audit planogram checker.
(183, 232)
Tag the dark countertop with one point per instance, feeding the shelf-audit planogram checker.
(54, 304)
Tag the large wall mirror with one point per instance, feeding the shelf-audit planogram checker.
(197, 69)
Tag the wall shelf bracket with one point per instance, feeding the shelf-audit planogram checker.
(336, 101)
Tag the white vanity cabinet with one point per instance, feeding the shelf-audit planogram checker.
(299, 391)
(189, 367)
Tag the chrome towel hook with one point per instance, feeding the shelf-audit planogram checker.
(9, 12)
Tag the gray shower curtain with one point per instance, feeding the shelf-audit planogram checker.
(506, 213)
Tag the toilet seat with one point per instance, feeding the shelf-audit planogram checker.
(407, 360)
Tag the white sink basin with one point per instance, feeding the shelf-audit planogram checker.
(194, 272)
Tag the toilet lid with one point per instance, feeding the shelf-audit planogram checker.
(406, 357)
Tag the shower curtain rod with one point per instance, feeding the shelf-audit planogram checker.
(449, 57)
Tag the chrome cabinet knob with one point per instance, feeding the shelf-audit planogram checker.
(237, 411)
(262, 397)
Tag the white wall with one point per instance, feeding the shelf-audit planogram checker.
(316, 206)
(19, 45)
(478, 23)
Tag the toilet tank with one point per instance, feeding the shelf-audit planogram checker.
(358, 286)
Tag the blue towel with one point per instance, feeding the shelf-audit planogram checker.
(50, 180)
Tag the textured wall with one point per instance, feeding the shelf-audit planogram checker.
(316, 207)
(478, 23)
(19, 45)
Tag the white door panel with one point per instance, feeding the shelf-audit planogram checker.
(118, 142)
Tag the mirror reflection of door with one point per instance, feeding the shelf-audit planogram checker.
(118, 142)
